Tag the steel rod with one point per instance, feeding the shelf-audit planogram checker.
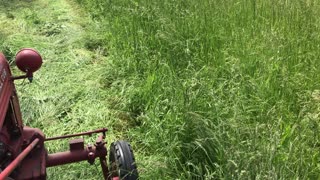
(7, 171)
(19, 77)
(103, 130)
(104, 167)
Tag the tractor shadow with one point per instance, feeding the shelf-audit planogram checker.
(15, 5)
(9, 8)
(15, 17)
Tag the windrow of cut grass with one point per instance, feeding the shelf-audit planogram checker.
(212, 88)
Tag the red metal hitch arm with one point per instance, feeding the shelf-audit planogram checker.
(88, 153)
(6, 172)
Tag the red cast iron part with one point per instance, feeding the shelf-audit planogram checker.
(23, 155)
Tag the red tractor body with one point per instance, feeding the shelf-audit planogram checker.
(23, 155)
(15, 138)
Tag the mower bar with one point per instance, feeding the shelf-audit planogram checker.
(7, 171)
(89, 133)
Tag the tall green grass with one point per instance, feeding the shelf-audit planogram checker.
(215, 89)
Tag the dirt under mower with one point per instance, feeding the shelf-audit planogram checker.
(23, 155)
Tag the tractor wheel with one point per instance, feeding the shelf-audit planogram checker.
(122, 162)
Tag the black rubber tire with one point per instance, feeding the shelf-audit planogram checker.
(122, 162)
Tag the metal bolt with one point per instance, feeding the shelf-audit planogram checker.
(91, 154)
(89, 146)
(2, 148)
(9, 154)
(91, 158)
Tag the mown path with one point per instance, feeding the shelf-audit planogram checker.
(66, 95)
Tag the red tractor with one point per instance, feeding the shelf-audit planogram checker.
(23, 155)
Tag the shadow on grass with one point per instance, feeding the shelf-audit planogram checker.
(10, 10)
(9, 5)
(2, 39)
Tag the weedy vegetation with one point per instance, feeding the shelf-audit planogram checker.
(206, 89)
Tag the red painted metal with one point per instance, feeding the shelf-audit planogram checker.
(89, 133)
(5, 88)
(23, 155)
(34, 165)
(104, 167)
(78, 153)
(28, 60)
(6, 172)
(66, 157)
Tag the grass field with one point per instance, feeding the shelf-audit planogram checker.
(206, 89)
